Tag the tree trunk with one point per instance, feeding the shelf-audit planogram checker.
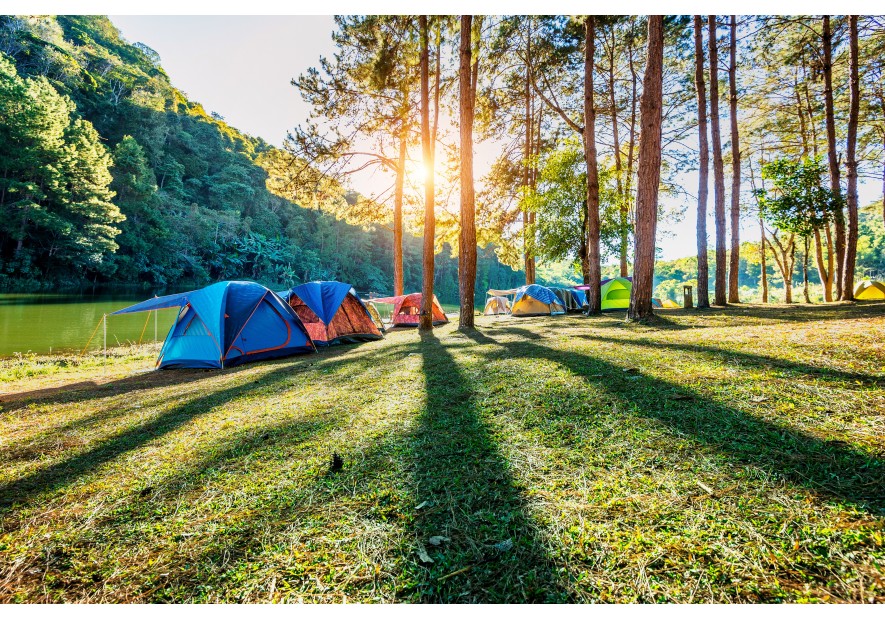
(826, 275)
(426, 319)
(398, 215)
(718, 168)
(762, 262)
(631, 148)
(735, 257)
(623, 214)
(528, 233)
(805, 251)
(851, 162)
(649, 179)
(832, 157)
(594, 299)
(467, 238)
(704, 167)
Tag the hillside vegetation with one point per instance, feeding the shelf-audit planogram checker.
(175, 196)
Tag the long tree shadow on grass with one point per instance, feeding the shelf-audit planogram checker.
(831, 469)
(65, 471)
(749, 359)
(496, 552)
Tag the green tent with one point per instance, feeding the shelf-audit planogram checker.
(616, 294)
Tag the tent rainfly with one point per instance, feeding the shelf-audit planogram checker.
(226, 324)
(536, 300)
(571, 299)
(332, 313)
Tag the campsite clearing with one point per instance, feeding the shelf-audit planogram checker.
(725, 455)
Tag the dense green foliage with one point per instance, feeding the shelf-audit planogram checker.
(799, 201)
(191, 188)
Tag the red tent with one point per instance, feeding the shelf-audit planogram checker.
(407, 309)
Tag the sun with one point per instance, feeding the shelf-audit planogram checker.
(416, 172)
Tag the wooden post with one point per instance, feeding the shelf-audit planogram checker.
(686, 296)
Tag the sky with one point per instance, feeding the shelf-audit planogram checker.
(241, 67)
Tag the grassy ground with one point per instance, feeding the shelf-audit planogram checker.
(729, 455)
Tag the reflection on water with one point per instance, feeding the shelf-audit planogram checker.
(41, 323)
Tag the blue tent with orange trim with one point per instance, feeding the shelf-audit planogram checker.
(226, 324)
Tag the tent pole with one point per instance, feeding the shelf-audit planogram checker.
(155, 328)
(105, 341)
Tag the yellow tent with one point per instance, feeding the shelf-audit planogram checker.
(669, 303)
(870, 290)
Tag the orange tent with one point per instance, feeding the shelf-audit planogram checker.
(407, 309)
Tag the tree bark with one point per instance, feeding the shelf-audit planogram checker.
(467, 238)
(826, 275)
(805, 251)
(851, 162)
(528, 233)
(785, 262)
(649, 179)
(704, 166)
(735, 257)
(719, 297)
(594, 299)
(426, 319)
(398, 215)
(762, 261)
(832, 156)
(527, 217)
(623, 214)
(631, 148)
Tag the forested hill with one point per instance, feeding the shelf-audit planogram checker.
(112, 175)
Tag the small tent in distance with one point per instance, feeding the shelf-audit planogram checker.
(332, 313)
(615, 293)
(870, 289)
(226, 324)
(536, 300)
(496, 305)
(407, 310)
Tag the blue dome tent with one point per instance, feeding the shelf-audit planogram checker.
(226, 324)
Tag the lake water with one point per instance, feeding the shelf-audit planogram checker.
(65, 322)
(39, 323)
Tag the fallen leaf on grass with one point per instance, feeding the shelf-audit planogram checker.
(422, 555)
(705, 487)
(758, 399)
(424, 504)
(505, 545)
(436, 541)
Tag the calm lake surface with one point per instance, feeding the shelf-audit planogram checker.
(44, 323)
(64, 322)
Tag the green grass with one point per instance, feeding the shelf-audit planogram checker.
(723, 456)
